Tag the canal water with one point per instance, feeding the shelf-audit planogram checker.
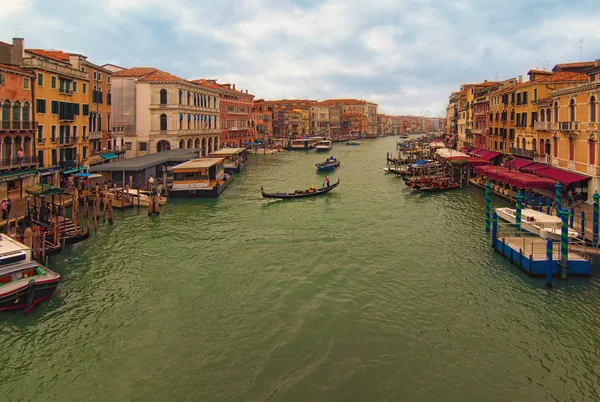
(370, 293)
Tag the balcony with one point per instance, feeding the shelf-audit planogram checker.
(16, 162)
(568, 125)
(528, 153)
(542, 159)
(95, 135)
(206, 131)
(53, 66)
(65, 91)
(542, 125)
(18, 125)
(71, 140)
(66, 117)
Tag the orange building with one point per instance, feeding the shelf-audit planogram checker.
(263, 120)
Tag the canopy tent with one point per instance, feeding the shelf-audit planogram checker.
(41, 190)
(87, 175)
(109, 156)
(487, 155)
(517, 163)
(562, 176)
(460, 160)
(514, 177)
(466, 149)
(447, 153)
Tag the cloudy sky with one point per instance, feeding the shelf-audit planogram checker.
(405, 55)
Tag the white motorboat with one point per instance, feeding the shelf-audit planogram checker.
(544, 225)
(143, 195)
(323, 145)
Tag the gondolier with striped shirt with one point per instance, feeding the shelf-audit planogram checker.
(326, 181)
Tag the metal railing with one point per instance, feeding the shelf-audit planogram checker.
(68, 140)
(17, 125)
(522, 152)
(26, 160)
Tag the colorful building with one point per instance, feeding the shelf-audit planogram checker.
(157, 111)
(319, 120)
(236, 113)
(263, 120)
(18, 162)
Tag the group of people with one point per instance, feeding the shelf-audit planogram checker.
(575, 198)
(312, 189)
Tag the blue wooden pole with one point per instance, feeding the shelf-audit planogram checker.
(557, 196)
(549, 263)
(519, 209)
(571, 217)
(494, 229)
(596, 198)
(488, 196)
(549, 207)
(564, 244)
(583, 224)
(541, 203)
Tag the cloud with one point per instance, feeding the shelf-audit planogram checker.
(406, 55)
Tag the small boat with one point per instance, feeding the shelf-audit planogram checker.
(23, 282)
(143, 195)
(352, 143)
(300, 194)
(323, 145)
(431, 187)
(544, 225)
(330, 164)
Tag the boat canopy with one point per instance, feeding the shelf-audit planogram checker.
(41, 190)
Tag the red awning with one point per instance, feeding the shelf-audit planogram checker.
(561, 175)
(488, 155)
(466, 149)
(514, 177)
(517, 163)
(476, 151)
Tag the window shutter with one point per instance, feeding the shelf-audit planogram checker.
(54, 107)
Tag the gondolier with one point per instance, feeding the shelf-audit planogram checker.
(326, 182)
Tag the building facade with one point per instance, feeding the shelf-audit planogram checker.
(319, 120)
(157, 111)
(263, 120)
(18, 130)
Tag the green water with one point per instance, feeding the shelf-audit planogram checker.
(370, 293)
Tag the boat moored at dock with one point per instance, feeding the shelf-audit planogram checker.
(536, 222)
(323, 145)
(202, 177)
(234, 159)
(23, 282)
(302, 144)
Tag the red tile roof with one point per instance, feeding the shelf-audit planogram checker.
(135, 72)
(162, 76)
(574, 65)
(346, 101)
(539, 72)
(50, 54)
(562, 76)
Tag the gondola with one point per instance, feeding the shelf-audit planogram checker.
(318, 191)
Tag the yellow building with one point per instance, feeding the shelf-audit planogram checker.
(574, 115)
(304, 128)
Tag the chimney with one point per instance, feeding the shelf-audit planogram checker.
(484, 81)
(17, 51)
(520, 79)
(234, 87)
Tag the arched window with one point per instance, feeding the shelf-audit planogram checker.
(188, 98)
(189, 123)
(16, 111)
(534, 145)
(189, 143)
(26, 111)
(180, 96)
(556, 112)
(181, 121)
(542, 115)
(592, 152)
(523, 143)
(163, 97)
(572, 110)
(491, 116)
(163, 122)
(542, 147)
(512, 115)
(593, 109)
(5, 114)
(497, 116)
(548, 115)
(181, 144)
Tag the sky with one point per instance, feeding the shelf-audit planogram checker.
(405, 55)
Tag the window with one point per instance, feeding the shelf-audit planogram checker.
(84, 88)
(75, 131)
(142, 146)
(25, 83)
(95, 75)
(84, 153)
(163, 121)
(525, 98)
(53, 135)
(163, 97)
(535, 94)
(572, 110)
(555, 117)
(85, 109)
(40, 133)
(54, 158)
(54, 107)
(128, 146)
(74, 86)
(99, 76)
(108, 98)
(41, 158)
(592, 109)
(40, 105)
(1, 78)
(53, 82)
(108, 79)
(592, 152)
(84, 132)
(40, 80)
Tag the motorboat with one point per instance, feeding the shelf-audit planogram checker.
(330, 164)
(23, 282)
(539, 223)
(143, 195)
(323, 145)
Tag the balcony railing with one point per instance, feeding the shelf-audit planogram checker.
(65, 91)
(53, 66)
(197, 131)
(568, 125)
(95, 135)
(18, 125)
(12, 162)
(528, 153)
(542, 125)
(68, 140)
(66, 117)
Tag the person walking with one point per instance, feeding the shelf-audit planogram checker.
(3, 208)
(8, 206)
